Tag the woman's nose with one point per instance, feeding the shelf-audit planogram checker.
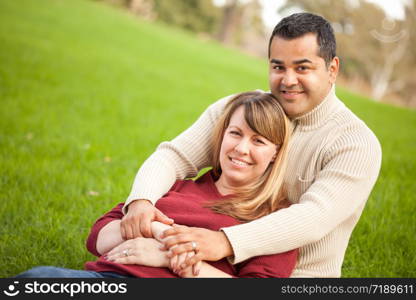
(242, 147)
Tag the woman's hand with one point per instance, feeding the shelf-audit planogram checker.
(209, 245)
(140, 251)
(188, 272)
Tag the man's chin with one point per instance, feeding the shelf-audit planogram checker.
(292, 110)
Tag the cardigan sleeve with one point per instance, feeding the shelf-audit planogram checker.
(114, 214)
(180, 158)
(341, 187)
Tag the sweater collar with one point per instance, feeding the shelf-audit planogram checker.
(321, 113)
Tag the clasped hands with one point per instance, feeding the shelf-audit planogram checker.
(153, 240)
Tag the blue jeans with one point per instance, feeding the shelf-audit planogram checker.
(56, 272)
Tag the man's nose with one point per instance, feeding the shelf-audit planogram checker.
(289, 78)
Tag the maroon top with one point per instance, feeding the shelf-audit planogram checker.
(184, 204)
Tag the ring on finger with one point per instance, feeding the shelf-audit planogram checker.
(126, 252)
(193, 244)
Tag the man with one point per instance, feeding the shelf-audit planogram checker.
(333, 163)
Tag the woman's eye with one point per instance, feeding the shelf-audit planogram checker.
(234, 133)
(259, 141)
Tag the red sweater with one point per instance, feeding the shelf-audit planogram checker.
(184, 203)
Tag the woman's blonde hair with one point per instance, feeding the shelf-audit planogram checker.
(265, 116)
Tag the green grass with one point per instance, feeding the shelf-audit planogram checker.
(87, 92)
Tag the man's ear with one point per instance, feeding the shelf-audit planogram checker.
(333, 69)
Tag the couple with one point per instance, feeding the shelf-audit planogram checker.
(333, 160)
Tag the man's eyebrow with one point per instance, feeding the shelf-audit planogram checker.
(295, 62)
(302, 61)
(276, 61)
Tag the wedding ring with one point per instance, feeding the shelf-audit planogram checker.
(126, 252)
(193, 246)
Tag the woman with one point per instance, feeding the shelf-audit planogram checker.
(246, 182)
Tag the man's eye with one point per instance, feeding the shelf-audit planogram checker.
(278, 67)
(302, 68)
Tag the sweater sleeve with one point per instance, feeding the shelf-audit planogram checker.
(341, 187)
(268, 266)
(180, 158)
(114, 214)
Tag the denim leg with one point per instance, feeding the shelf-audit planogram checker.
(56, 272)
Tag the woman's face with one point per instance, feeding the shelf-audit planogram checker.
(244, 155)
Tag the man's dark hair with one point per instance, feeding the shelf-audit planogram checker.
(299, 24)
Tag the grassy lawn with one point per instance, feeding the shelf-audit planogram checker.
(87, 93)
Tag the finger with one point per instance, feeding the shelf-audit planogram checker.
(129, 244)
(192, 260)
(121, 252)
(127, 260)
(161, 217)
(179, 239)
(176, 229)
(122, 230)
(113, 251)
(114, 256)
(116, 250)
(183, 273)
(173, 262)
(181, 259)
(135, 230)
(182, 246)
(145, 228)
(189, 255)
(128, 229)
(196, 268)
(177, 250)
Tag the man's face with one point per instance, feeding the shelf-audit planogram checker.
(298, 77)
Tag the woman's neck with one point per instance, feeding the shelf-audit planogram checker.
(224, 187)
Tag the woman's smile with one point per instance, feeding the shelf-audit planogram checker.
(239, 162)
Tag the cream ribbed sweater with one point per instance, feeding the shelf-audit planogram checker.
(333, 163)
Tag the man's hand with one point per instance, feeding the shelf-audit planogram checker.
(210, 245)
(140, 214)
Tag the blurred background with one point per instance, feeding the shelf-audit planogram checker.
(376, 39)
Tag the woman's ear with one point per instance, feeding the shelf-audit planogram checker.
(275, 154)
